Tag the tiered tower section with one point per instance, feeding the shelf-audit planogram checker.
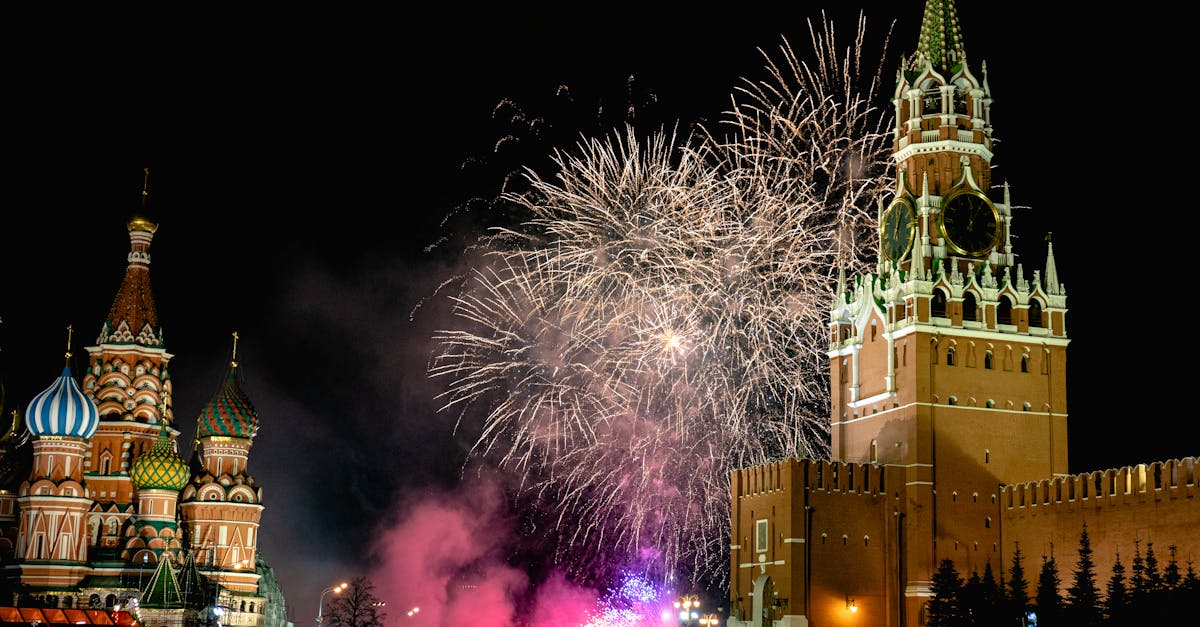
(948, 399)
(128, 380)
(222, 504)
(51, 542)
(158, 475)
(948, 362)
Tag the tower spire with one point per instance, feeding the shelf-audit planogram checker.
(941, 41)
(1052, 286)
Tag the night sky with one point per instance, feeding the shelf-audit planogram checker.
(302, 160)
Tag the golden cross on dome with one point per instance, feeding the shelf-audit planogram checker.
(145, 186)
(70, 329)
(235, 339)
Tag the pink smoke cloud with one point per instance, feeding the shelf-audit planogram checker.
(444, 554)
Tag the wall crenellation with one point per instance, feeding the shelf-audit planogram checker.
(826, 476)
(1174, 478)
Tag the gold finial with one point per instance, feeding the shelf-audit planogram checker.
(145, 186)
(235, 339)
(70, 330)
(1048, 234)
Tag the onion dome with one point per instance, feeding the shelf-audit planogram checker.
(62, 410)
(230, 413)
(160, 468)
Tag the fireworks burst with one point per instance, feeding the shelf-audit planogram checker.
(659, 319)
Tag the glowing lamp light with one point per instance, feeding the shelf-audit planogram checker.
(321, 606)
(851, 604)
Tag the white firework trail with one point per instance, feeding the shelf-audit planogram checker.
(660, 318)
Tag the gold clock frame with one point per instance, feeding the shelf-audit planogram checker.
(885, 248)
(949, 241)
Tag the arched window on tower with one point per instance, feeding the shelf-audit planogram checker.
(1025, 362)
(937, 306)
(931, 97)
(970, 310)
(1004, 311)
(1035, 312)
(950, 356)
(987, 360)
(960, 102)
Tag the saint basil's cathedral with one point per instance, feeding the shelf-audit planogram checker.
(99, 513)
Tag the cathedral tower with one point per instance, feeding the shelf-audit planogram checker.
(51, 546)
(128, 380)
(222, 504)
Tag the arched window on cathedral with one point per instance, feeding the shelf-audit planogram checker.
(1035, 312)
(950, 356)
(987, 360)
(1004, 311)
(970, 310)
(937, 306)
(1025, 362)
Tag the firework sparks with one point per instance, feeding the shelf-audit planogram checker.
(659, 319)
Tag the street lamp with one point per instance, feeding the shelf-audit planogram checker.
(710, 620)
(689, 608)
(321, 606)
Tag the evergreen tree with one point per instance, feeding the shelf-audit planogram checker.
(1049, 604)
(1116, 602)
(971, 599)
(1083, 598)
(1191, 582)
(357, 606)
(993, 600)
(1154, 579)
(1172, 576)
(1137, 579)
(945, 609)
(1017, 591)
(1189, 589)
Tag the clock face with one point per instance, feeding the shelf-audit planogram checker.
(969, 223)
(896, 229)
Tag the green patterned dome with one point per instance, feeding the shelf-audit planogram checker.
(160, 468)
(230, 413)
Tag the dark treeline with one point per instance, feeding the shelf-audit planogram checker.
(1144, 592)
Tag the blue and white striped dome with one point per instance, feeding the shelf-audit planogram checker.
(62, 410)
